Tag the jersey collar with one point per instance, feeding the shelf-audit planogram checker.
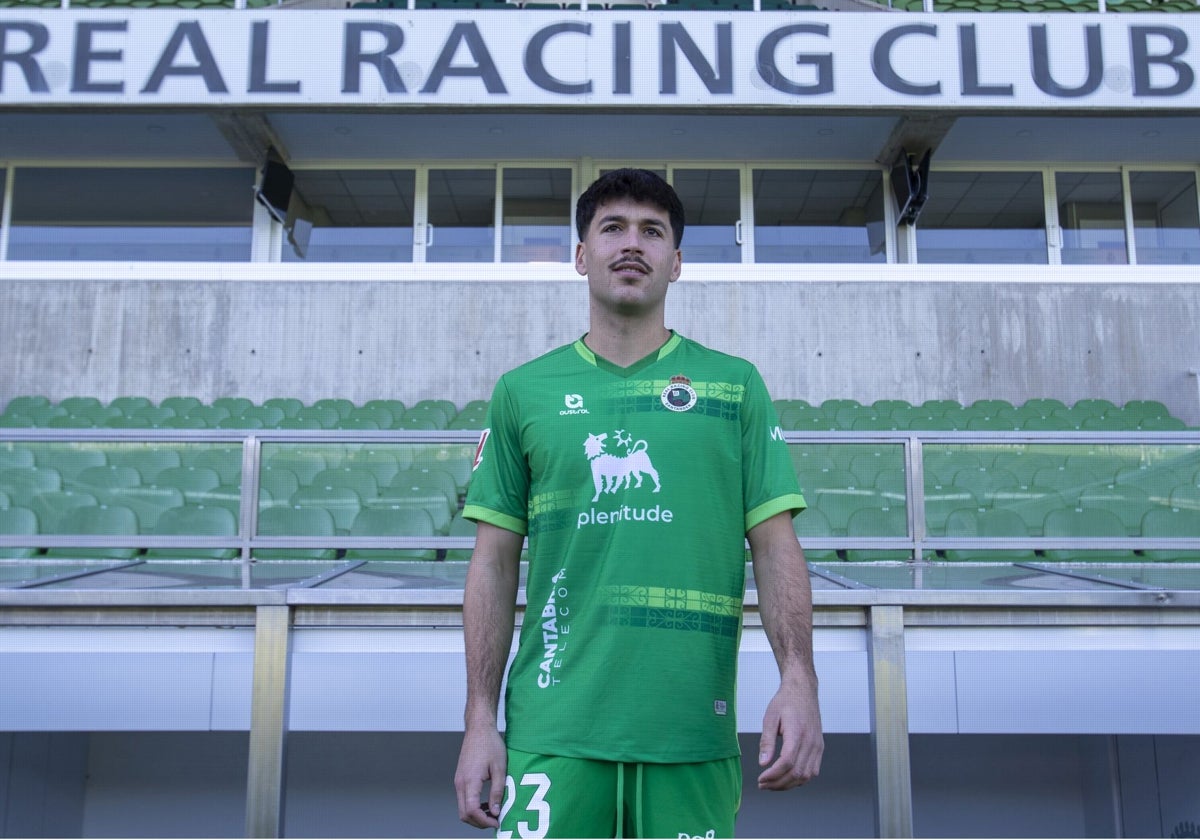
(604, 364)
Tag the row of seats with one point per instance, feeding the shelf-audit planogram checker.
(964, 521)
(794, 415)
(981, 415)
(240, 413)
(321, 491)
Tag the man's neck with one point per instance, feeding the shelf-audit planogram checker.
(624, 342)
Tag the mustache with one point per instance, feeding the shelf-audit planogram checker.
(630, 261)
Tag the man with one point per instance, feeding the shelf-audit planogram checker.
(637, 462)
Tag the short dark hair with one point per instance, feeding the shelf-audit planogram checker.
(640, 185)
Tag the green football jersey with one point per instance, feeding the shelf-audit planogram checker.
(636, 487)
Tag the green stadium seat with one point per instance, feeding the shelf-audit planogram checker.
(148, 501)
(22, 483)
(195, 521)
(128, 405)
(148, 460)
(241, 421)
(188, 480)
(70, 421)
(940, 501)
(1081, 522)
(101, 481)
(408, 490)
(987, 522)
(300, 423)
(225, 460)
(1162, 424)
(1025, 464)
(1127, 503)
(415, 421)
(227, 496)
(276, 486)
(26, 404)
(41, 416)
(342, 407)
(885, 521)
(69, 460)
(1174, 523)
(304, 463)
(327, 417)
(17, 521)
(361, 423)
(180, 405)
(269, 415)
(184, 423)
(233, 405)
(982, 482)
(50, 507)
(383, 463)
(1029, 501)
(290, 406)
(342, 503)
(361, 481)
(97, 415)
(296, 521)
(392, 521)
(838, 507)
(73, 405)
(212, 415)
(1042, 406)
(15, 455)
(456, 459)
(97, 521)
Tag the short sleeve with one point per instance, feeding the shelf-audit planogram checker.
(499, 490)
(769, 482)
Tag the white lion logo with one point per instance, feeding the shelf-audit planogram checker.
(608, 470)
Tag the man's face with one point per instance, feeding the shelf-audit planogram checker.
(629, 257)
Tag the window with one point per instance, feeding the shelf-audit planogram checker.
(358, 215)
(462, 215)
(537, 215)
(1091, 213)
(1166, 218)
(804, 216)
(712, 206)
(131, 214)
(983, 217)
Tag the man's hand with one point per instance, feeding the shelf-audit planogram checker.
(792, 716)
(483, 758)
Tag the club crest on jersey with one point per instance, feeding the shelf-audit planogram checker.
(679, 395)
(610, 472)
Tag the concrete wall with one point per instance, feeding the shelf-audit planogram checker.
(1037, 333)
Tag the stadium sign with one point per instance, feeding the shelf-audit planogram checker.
(581, 59)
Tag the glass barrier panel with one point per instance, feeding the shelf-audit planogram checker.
(852, 490)
(364, 490)
(1064, 491)
(117, 488)
(978, 577)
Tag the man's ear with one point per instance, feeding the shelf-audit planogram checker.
(580, 260)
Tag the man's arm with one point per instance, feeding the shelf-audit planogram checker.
(489, 607)
(785, 607)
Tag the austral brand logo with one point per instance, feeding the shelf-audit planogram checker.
(679, 395)
(574, 405)
(612, 472)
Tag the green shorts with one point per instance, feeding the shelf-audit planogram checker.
(551, 796)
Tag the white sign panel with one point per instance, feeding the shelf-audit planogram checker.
(402, 59)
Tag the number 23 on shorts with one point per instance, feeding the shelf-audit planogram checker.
(535, 804)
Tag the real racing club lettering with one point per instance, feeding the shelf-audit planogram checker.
(69, 57)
